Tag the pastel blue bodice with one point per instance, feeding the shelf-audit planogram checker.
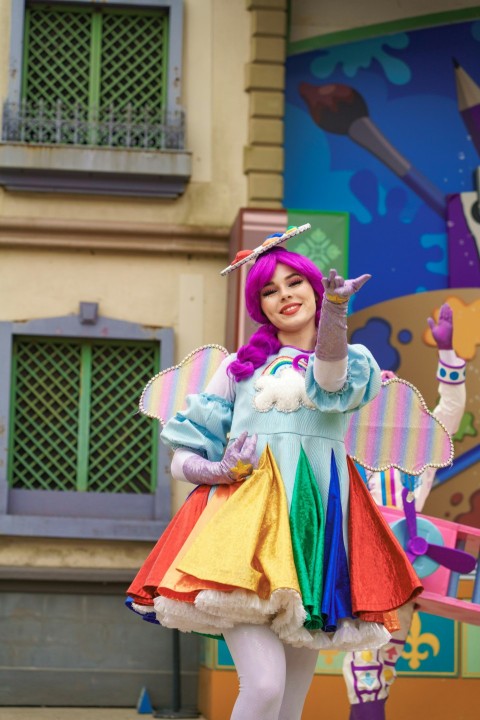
(286, 409)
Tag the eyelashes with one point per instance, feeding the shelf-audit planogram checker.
(292, 283)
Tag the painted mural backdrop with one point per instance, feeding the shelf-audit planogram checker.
(388, 130)
(382, 148)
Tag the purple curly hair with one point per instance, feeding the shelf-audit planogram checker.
(264, 342)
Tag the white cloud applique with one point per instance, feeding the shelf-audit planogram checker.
(284, 391)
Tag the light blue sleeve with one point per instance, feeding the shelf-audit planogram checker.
(203, 426)
(362, 384)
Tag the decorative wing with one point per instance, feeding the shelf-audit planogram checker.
(398, 430)
(165, 393)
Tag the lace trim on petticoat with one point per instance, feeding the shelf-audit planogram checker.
(215, 611)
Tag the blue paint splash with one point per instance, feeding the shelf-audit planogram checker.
(405, 336)
(375, 335)
(440, 241)
(392, 252)
(354, 57)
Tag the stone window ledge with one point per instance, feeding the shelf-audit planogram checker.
(94, 170)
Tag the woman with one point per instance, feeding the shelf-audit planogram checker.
(259, 551)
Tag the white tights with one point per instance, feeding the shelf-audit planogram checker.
(274, 677)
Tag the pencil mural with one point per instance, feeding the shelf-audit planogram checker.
(468, 96)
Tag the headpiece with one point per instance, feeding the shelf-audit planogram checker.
(244, 256)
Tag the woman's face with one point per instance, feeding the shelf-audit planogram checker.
(288, 301)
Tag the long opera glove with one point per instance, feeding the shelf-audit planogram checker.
(330, 367)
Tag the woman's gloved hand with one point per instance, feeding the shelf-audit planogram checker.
(238, 462)
(338, 290)
(332, 328)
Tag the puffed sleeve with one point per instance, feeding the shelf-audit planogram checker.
(362, 384)
(202, 426)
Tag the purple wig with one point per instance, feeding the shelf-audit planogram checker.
(264, 341)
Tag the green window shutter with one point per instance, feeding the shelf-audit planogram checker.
(46, 398)
(94, 75)
(121, 444)
(133, 61)
(75, 424)
(57, 62)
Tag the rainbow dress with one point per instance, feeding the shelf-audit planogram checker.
(299, 545)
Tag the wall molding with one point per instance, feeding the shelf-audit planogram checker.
(140, 238)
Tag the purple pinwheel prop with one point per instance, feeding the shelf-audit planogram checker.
(415, 534)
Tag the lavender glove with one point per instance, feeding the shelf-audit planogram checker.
(238, 462)
(443, 331)
(332, 329)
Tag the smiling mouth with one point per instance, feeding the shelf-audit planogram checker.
(290, 309)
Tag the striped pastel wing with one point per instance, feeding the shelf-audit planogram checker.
(397, 430)
(164, 395)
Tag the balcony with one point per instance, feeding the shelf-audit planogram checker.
(109, 151)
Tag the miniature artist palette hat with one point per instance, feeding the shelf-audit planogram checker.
(244, 256)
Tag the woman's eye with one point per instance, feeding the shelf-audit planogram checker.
(266, 293)
(298, 281)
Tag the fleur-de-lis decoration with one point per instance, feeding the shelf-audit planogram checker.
(416, 639)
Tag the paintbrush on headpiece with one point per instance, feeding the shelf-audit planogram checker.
(246, 255)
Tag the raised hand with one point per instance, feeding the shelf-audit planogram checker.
(442, 331)
(238, 462)
(339, 290)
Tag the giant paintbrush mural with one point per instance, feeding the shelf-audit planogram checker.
(342, 110)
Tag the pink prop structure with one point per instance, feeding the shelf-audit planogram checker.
(441, 586)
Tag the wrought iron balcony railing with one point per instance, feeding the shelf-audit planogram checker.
(56, 123)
